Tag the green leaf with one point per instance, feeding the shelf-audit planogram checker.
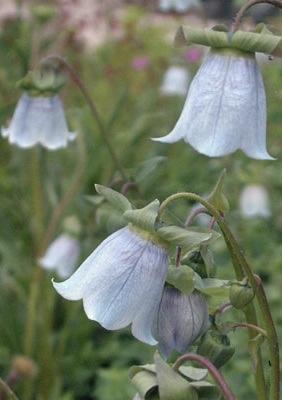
(145, 383)
(186, 239)
(144, 218)
(182, 278)
(192, 373)
(217, 198)
(116, 199)
(171, 384)
(212, 286)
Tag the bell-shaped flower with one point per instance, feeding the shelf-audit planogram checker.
(254, 202)
(180, 320)
(121, 282)
(175, 81)
(62, 255)
(180, 6)
(39, 120)
(225, 109)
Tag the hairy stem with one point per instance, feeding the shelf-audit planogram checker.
(249, 4)
(217, 376)
(82, 87)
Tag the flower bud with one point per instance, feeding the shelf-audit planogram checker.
(241, 294)
(216, 347)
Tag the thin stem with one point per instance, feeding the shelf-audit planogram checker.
(194, 214)
(221, 310)
(242, 268)
(178, 256)
(68, 196)
(80, 84)
(246, 325)
(217, 376)
(249, 4)
(5, 392)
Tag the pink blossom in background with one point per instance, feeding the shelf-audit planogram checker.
(139, 63)
(193, 55)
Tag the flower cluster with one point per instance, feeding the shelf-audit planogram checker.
(123, 281)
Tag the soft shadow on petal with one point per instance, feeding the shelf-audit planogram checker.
(133, 288)
(180, 320)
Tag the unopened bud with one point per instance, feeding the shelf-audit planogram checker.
(241, 294)
(216, 347)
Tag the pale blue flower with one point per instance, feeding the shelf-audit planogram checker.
(61, 256)
(254, 202)
(225, 109)
(180, 320)
(178, 5)
(39, 120)
(175, 82)
(121, 283)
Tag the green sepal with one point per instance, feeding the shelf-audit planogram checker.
(116, 199)
(250, 42)
(144, 381)
(217, 198)
(212, 286)
(144, 218)
(241, 294)
(171, 384)
(202, 262)
(42, 82)
(186, 239)
(182, 278)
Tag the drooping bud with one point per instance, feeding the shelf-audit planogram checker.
(241, 294)
(216, 347)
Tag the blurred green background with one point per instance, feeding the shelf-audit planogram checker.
(106, 43)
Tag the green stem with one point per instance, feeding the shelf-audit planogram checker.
(82, 87)
(242, 269)
(249, 4)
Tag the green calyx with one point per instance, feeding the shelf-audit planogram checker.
(261, 41)
(45, 82)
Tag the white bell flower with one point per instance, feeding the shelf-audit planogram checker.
(39, 120)
(121, 283)
(175, 82)
(178, 5)
(61, 256)
(225, 109)
(254, 202)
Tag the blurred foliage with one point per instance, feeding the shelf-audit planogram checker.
(77, 359)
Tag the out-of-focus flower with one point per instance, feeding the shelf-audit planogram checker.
(178, 5)
(121, 282)
(139, 63)
(39, 120)
(193, 55)
(254, 202)
(180, 320)
(175, 82)
(225, 109)
(62, 255)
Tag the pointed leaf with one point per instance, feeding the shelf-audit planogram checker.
(187, 239)
(116, 199)
(144, 218)
(171, 384)
(217, 198)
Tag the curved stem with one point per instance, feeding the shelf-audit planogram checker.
(249, 4)
(82, 87)
(192, 215)
(5, 392)
(218, 377)
(248, 326)
(68, 196)
(242, 268)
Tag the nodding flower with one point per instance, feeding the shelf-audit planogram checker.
(175, 81)
(39, 120)
(121, 282)
(254, 202)
(225, 109)
(61, 256)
